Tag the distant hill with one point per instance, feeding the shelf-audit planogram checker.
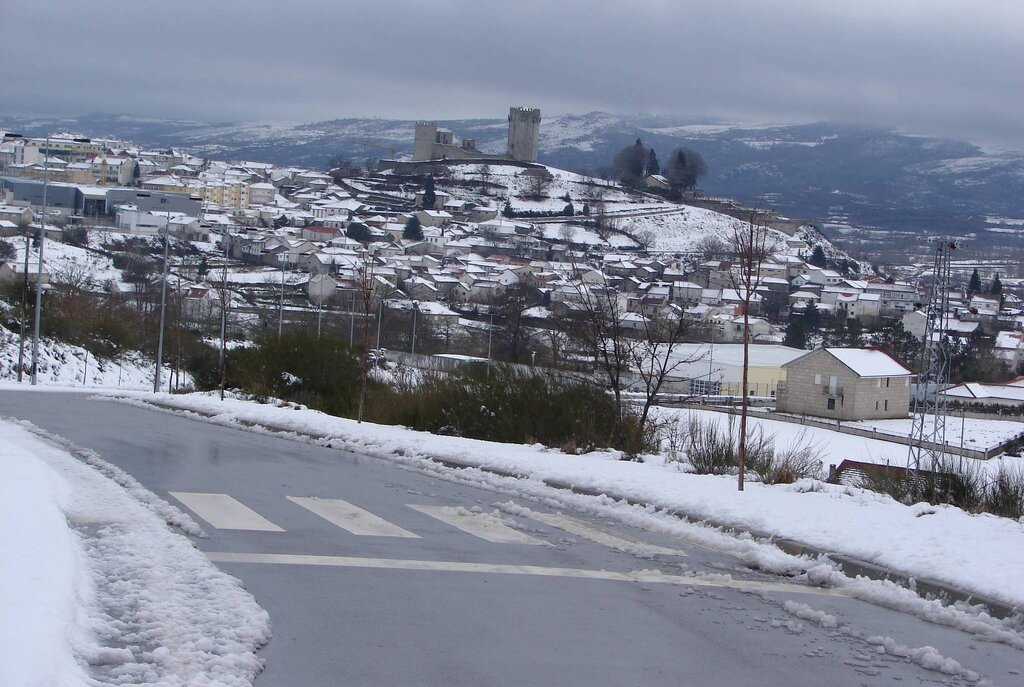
(835, 173)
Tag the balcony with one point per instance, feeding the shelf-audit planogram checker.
(832, 391)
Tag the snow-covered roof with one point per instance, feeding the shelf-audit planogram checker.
(869, 362)
(1009, 392)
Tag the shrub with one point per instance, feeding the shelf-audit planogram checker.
(320, 373)
(774, 465)
(711, 449)
(1004, 494)
(503, 405)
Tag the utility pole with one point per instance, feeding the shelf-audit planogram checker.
(224, 316)
(24, 306)
(163, 301)
(490, 331)
(280, 306)
(352, 322)
(380, 317)
(39, 271)
(415, 309)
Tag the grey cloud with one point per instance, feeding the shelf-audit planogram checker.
(947, 67)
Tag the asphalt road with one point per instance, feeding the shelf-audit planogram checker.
(377, 574)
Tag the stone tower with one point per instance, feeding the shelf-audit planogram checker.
(523, 133)
(423, 143)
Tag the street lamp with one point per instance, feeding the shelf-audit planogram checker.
(39, 271)
(163, 301)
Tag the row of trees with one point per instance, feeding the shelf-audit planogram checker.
(683, 169)
(975, 285)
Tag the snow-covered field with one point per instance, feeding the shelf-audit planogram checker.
(977, 433)
(97, 588)
(980, 553)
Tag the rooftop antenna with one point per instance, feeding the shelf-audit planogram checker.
(928, 429)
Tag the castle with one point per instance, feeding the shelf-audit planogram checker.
(433, 143)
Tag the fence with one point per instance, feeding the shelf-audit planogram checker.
(838, 426)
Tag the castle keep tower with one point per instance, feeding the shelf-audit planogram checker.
(423, 143)
(523, 133)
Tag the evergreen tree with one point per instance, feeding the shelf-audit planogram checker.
(796, 333)
(898, 342)
(813, 317)
(974, 285)
(413, 229)
(507, 211)
(684, 168)
(652, 163)
(429, 194)
(628, 164)
(818, 257)
(997, 286)
(203, 269)
(357, 231)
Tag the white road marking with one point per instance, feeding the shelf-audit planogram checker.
(351, 518)
(643, 576)
(482, 525)
(588, 531)
(224, 512)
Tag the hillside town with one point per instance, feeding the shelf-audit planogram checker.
(455, 343)
(457, 237)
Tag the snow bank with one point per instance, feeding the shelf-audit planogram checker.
(44, 587)
(980, 553)
(157, 612)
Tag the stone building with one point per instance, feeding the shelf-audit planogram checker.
(846, 384)
(434, 143)
(523, 133)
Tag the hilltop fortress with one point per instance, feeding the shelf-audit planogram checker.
(433, 143)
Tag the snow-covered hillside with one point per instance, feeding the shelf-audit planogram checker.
(67, 365)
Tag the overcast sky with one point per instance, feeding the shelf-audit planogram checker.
(946, 67)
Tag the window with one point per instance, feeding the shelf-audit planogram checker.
(831, 404)
(887, 379)
(887, 404)
(817, 379)
(876, 405)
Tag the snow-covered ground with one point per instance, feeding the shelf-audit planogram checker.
(977, 433)
(68, 264)
(72, 366)
(980, 553)
(97, 588)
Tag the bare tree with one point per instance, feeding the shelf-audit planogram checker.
(646, 239)
(485, 178)
(751, 243)
(630, 350)
(536, 185)
(654, 354)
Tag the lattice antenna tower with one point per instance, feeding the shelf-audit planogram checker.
(928, 429)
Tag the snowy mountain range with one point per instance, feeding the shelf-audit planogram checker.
(839, 173)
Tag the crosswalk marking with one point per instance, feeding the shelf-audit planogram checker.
(224, 512)
(588, 531)
(482, 525)
(351, 518)
(642, 576)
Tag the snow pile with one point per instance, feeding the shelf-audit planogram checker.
(980, 553)
(157, 611)
(44, 586)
